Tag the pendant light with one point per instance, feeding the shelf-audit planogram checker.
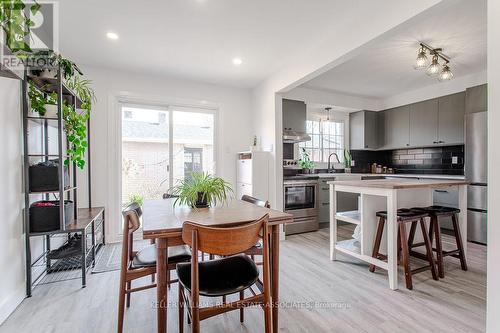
(434, 67)
(328, 113)
(446, 74)
(422, 60)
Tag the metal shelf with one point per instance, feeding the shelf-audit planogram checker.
(50, 85)
(67, 189)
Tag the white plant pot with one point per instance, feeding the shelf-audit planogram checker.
(51, 111)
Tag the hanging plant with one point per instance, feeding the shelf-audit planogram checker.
(75, 126)
(17, 25)
(39, 100)
(81, 87)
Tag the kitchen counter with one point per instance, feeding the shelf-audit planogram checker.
(400, 184)
(397, 175)
(389, 195)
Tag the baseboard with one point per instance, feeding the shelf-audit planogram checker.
(11, 303)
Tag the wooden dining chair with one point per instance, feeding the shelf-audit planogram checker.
(256, 250)
(234, 273)
(138, 264)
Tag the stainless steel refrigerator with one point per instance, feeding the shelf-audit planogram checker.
(476, 160)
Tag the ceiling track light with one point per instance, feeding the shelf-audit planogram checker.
(434, 68)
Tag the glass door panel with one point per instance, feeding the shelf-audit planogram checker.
(145, 152)
(193, 142)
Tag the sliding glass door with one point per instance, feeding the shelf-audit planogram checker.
(163, 145)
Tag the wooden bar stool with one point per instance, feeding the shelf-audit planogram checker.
(435, 213)
(405, 216)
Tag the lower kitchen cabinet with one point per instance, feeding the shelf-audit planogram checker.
(345, 201)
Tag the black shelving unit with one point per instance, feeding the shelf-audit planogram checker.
(88, 223)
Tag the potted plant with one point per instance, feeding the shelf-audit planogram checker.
(347, 160)
(135, 198)
(201, 190)
(305, 162)
(45, 106)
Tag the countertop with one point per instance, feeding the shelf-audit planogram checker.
(399, 184)
(397, 175)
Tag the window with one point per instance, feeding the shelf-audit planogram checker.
(326, 137)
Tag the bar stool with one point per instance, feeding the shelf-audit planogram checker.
(435, 213)
(405, 216)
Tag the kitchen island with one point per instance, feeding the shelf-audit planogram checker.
(389, 195)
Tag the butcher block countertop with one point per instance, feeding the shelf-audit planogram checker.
(396, 184)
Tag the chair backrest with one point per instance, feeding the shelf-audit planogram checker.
(131, 222)
(255, 201)
(224, 241)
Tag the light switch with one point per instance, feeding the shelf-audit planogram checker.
(454, 160)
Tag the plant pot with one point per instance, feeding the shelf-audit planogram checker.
(201, 202)
(48, 73)
(306, 171)
(51, 111)
(347, 170)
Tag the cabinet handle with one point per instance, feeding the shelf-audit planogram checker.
(435, 142)
(325, 203)
(407, 144)
(325, 188)
(441, 191)
(441, 141)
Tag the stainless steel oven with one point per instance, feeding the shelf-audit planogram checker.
(300, 198)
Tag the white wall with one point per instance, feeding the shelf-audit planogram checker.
(12, 287)
(493, 264)
(234, 122)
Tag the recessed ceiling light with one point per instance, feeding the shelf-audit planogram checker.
(112, 35)
(237, 61)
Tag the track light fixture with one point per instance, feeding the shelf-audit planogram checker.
(434, 68)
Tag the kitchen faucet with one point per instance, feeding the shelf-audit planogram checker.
(329, 156)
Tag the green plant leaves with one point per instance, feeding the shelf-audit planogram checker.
(213, 189)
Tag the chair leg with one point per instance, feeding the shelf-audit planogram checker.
(439, 246)
(129, 286)
(242, 310)
(460, 246)
(121, 304)
(405, 255)
(224, 299)
(153, 278)
(411, 236)
(181, 309)
(428, 249)
(378, 239)
(168, 279)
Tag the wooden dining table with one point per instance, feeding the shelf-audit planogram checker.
(163, 222)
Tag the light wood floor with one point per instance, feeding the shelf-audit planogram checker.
(321, 296)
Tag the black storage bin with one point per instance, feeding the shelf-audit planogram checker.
(46, 178)
(46, 218)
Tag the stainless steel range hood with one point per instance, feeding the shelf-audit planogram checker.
(294, 121)
(290, 136)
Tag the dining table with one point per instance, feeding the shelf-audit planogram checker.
(162, 221)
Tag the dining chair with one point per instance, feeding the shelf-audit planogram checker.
(256, 250)
(138, 264)
(233, 273)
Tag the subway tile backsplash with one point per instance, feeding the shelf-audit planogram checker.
(436, 160)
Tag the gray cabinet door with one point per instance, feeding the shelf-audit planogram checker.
(294, 115)
(451, 119)
(424, 123)
(357, 130)
(476, 99)
(397, 127)
(371, 130)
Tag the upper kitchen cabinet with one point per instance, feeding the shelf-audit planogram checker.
(451, 119)
(294, 115)
(363, 130)
(476, 99)
(395, 125)
(424, 123)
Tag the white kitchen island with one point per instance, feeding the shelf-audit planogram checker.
(389, 195)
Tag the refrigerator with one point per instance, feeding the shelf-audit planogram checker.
(476, 159)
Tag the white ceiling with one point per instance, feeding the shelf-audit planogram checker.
(386, 69)
(197, 39)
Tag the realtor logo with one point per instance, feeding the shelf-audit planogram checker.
(29, 30)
